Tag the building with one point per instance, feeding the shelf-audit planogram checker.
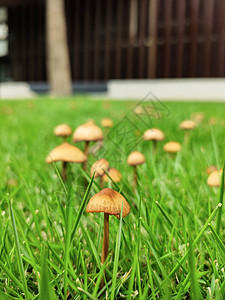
(117, 39)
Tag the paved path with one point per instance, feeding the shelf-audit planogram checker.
(204, 89)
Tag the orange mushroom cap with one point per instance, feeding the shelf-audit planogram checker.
(187, 125)
(153, 134)
(135, 158)
(214, 178)
(107, 123)
(88, 132)
(99, 167)
(109, 202)
(172, 147)
(66, 152)
(62, 130)
(114, 174)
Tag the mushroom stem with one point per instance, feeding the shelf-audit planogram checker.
(135, 176)
(86, 153)
(105, 245)
(186, 137)
(154, 147)
(64, 170)
(101, 182)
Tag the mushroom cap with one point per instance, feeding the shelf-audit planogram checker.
(107, 123)
(198, 117)
(62, 130)
(66, 152)
(172, 147)
(212, 121)
(210, 169)
(99, 167)
(187, 125)
(135, 158)
(109, 202)
(153, 134)
(214, 178)
(88, 132)
(114, 174)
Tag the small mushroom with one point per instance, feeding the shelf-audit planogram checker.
(62, 130)
(114, 174)
(172, 147)
(198, 117)
(213, 121)
(99, 168)
(109, 202)
(214, 178)
(155, 135)
(107, 123)
(134, 159)
(88, 132)
(187, 125)
(210, 169)
(66, 153)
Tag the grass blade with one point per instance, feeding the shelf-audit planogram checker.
(194, 284)
(18, 253)
(87, 294)
(81, 210)
(117, 254)
(45, 287)
(196, 240)
(219, 214)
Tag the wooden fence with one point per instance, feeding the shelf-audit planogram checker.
(118, 39)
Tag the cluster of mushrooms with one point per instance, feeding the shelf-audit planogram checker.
(109, 201)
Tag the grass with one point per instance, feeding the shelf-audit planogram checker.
(170, 246)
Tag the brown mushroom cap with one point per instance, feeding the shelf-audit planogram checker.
(114, 174)
(88, 132)
(66, 152)
(109, 202)
(135, 158)
(62, 130)
(153, 134)
(214, 178)
(172, 147)
(107, 123)
(187, 125)
(99, 167)
(210, 169)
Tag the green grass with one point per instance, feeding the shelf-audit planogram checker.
(170, 246)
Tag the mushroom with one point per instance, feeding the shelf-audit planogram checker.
(210, 169)
(66, 153)
(62, 130)
(114, 174)
(88, 132)
(214, 178)
(110, 202)
(172, 147)
(198, 117)
(134, 159)
(99, 168)
(155, 135)
(106, 123)
(187, 125)
(213, 121)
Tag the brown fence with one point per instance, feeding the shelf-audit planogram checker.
(117, 39)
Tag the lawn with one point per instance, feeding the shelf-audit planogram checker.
(166, 248)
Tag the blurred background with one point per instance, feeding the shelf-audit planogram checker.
(74, 44)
